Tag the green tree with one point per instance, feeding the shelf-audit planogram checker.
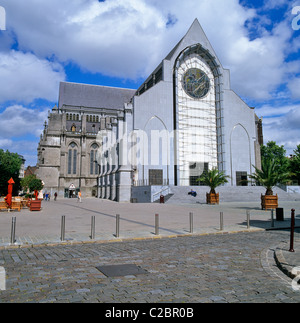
(295, 164)
(270, 175)
(213, 178)
(25, 182)
(275, 153)
(35, 185)
(10, 165)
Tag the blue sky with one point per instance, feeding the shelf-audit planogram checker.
(120, 42)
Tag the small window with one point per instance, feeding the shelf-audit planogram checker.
(241, 179)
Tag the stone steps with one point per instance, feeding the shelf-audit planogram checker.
(227, 194)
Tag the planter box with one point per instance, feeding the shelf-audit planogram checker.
(212, 198)
(35, 205)
(269, 202)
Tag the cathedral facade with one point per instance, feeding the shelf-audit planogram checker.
(124, 145)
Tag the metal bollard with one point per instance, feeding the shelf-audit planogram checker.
(63, 228)
(272, 218)
(93, 225)
(292, 231)
(13, 230)
(191, 222)
(248, 219)
(117, 225)
(221, 221)
(156, 224)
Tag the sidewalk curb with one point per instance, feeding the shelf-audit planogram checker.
(281, 262)
(73, 242)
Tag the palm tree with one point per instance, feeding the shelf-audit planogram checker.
(213, 178)
(270, 175)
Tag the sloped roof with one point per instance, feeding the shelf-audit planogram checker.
(93, 96)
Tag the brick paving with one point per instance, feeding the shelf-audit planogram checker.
(229, 268)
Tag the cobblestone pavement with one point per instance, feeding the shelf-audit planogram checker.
(213, 268)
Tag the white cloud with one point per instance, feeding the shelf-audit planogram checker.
(24, 77)
(294, 87)
(20, 128)
(18, 121)
(283, 129)
(128, 38)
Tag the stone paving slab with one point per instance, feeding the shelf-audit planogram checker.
(36, 229)
(223, 268)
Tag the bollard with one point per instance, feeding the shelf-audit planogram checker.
(248, 219)
(63, 228)
(292, 231)
(93, 225)
(13, 230)
(117, 225)
(191, 222)
(221, 221)
(156, 224)
(272, 218)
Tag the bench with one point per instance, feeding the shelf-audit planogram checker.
(3, 206)
(16, 206)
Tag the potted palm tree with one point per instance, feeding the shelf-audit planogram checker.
(213, 178)
(35, 185)
(269, 176)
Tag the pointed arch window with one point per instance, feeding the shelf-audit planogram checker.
(93, 159)
(72, 159)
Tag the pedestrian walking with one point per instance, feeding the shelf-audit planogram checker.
(79, 197)
(55, 196)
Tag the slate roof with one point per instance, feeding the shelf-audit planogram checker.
(93, 96)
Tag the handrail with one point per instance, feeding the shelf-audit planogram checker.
(160, 193)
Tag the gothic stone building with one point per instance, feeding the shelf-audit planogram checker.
(118, 143)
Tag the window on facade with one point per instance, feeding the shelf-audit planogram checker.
(155, 177)
(93, 159)
(241, 179)
(72, 159)
(196, 170)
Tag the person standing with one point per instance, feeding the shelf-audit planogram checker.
(55, 196)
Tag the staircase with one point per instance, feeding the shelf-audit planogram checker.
(227, 194)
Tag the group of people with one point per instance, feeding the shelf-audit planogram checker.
(47, 196)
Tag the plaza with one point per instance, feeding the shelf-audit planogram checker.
(137, 221)
(210, 265)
